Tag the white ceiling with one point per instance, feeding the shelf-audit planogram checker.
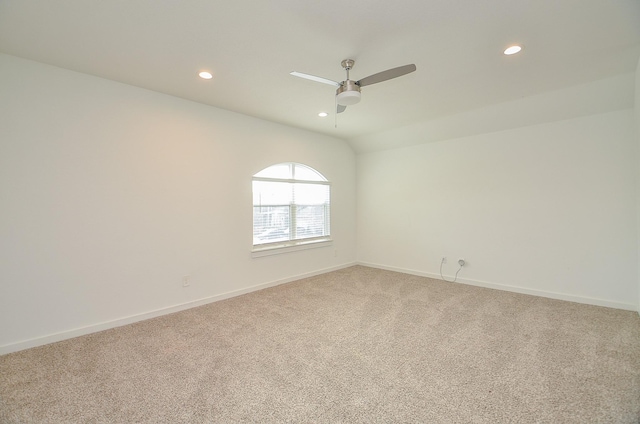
(250, 46)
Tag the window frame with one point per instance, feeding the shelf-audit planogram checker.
(291, 245)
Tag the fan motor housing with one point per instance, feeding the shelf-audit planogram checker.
(348, 93)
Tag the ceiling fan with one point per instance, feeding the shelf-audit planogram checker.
(348, 92)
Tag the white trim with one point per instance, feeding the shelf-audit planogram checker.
(515, 289)
(64, 335)
(289, 246)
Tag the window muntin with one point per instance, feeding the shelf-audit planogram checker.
(291, 206)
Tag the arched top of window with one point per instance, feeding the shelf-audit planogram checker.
(291, 171)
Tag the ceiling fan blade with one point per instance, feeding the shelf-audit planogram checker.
(386, 75)
(314, 78)
(341, 108)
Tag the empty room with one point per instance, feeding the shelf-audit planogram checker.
(319, 212)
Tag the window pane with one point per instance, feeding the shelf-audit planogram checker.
(302, 172)
(270, 223)
(310, 194)
(272, 193)
(282, 171)
(310, 221)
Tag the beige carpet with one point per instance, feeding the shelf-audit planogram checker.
(358, 345)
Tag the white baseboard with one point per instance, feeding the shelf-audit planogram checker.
(515, 289)
(64, 335)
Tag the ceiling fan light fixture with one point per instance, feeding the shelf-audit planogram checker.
(348, 94)
(348, 98)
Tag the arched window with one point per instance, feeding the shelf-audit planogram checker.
(291, 205)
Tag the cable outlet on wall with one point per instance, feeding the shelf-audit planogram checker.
(444, 259)
(461, 262)
(186, 281)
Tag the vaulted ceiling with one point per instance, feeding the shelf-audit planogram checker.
(251, 46)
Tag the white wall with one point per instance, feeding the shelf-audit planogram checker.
(586, 99)
(548, 209)
(637, 118)
(110, 194)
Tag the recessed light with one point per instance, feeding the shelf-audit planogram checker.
(512, 50)
(205, 75)
(323, 114)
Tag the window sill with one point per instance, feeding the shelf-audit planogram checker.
(278, 249)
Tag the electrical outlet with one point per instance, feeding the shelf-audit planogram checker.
(444, 259)
(461, 262)
(186, 281)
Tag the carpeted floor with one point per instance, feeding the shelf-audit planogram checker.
(359, 345)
